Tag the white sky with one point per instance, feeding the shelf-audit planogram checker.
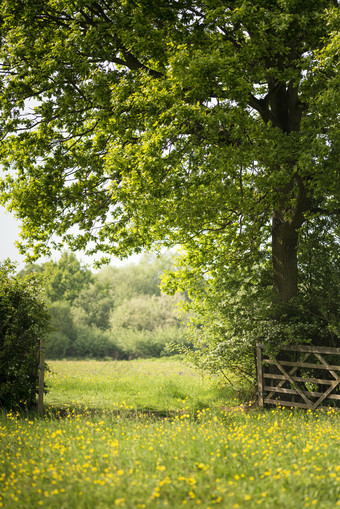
(9, 229)
(9, 234)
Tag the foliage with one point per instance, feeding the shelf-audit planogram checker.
(205, 124)
(231, 305)
(23, 322)
(132, 279)
(63, 332)
(226, 305)
(147, 313)
(320, 280)
(145, 325)
(58, 345)
(93, 342)
(182, 121)
(64, 279)
(118, 312)
(93, 305)
(134, 343)
(61, 313)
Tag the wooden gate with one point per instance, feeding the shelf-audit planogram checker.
(299, 376)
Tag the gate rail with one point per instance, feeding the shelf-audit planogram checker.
(301, 376)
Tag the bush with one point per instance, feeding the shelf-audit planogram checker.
(93, 342)
(147, 313)
(23, 321)
(144, 343)
(57, 345)
(144, 325)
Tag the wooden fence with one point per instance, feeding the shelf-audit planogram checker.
(299, 376)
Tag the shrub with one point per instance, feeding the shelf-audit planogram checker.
(93, 342)
(57, 345)
(144, 343)
(23, 321)
(147, 313)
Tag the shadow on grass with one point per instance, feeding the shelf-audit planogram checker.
(60, 412)
(147, 412)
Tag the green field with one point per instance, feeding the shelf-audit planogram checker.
(144, 434)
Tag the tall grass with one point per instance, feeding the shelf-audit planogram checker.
(102, 445)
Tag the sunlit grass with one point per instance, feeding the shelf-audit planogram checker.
(101, 447)
(158, 385)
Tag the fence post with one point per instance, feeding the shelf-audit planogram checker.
(259, 374)
(41, 370)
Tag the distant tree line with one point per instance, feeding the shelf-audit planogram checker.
(118, 312)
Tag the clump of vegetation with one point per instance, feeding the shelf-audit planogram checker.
(24, 320)
(233, 305)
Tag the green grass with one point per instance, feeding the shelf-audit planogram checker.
(158, 385)
(139, 434)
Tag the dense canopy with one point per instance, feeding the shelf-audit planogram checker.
(205, 123)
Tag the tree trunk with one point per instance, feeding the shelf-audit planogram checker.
(285, 237)
(284, 255)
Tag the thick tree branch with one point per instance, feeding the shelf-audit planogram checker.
(261, 106)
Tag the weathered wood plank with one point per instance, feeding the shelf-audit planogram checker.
(299, 379)
(303, 365)
(312, 349)
(298, 390)
(324, 396)
(281, 390)
(333, 396)
(314, 394)
(286, 403)
(297, 405)
(327, 366)
(291, 372)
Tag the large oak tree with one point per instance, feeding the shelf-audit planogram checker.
(205, 123)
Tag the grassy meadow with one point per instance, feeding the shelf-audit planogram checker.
(154, 433)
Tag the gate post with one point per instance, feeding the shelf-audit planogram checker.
(259, 375)
(41, 370)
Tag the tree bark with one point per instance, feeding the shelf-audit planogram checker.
(285, 236)
(284, 256)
